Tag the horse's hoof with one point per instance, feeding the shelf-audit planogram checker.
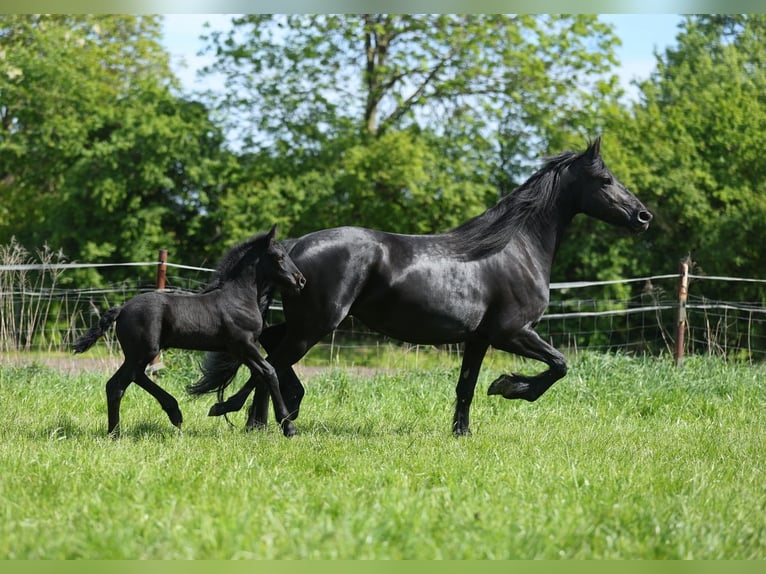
(458, 432)
(217, 410)
(509, 387)
(288, 428)
(258, 426)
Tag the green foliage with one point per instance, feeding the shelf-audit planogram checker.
(397, 182)
(98, 155)
(408, 123)
(693, 147)
(625, 458)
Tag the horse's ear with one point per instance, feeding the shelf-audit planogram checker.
(272, 233)
(594, 150)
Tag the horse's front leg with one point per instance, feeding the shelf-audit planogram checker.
(528, 343)
(473, 355)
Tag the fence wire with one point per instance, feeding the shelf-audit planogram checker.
(39, 311)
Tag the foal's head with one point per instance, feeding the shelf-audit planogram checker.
(275, 265)
(260, 260)
(602, 195)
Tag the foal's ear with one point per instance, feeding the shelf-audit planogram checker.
(594, 149)
(272, 233)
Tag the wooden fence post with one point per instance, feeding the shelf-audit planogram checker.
(683, 291)
(162, 268)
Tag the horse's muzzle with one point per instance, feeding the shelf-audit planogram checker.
(641, 220)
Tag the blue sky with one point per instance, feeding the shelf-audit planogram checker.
(641, 35)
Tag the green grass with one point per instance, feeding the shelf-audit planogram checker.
(624, 458)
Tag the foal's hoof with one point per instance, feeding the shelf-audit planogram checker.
(509, 386)
(176, 419)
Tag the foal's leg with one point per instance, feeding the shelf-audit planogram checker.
(268, 376)
(528, 343)
(473, 355)
(167, 401)
(289, 385)
(289, 352)
(270, 337)
(115, 389)
(262, 371)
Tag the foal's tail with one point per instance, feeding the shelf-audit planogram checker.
(96, 331)
(218, 371)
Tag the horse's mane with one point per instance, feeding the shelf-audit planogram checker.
(235, 260)
(525, 206)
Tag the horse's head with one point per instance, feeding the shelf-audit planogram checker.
(603, 196)
(279, 267)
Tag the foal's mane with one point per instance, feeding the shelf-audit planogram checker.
(524, 207)
(237, 259)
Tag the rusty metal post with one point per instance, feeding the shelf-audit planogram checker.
(162, 267)
(683, 291)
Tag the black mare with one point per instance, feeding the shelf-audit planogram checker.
(484, 283)
(225, 317)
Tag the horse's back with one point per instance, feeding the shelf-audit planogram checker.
(337, 264)
(411, 287)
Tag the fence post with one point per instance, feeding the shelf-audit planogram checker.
(162, 268)
(683, 291)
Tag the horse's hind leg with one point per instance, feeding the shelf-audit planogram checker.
(235, 402)
(262, 372)
(473, 355)
(528, 343)
(258, 415)
(167, 401)
(115, 389)
(289, 384)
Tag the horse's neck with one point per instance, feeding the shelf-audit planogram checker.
(541, 236)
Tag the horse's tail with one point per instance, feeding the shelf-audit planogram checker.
(96, 331)
(218, 371)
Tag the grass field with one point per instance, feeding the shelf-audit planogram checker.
(624, 458)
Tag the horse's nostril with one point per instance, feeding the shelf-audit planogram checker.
(644, 216)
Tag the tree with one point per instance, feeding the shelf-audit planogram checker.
(99, 156)
(399, 111)
(693, 147)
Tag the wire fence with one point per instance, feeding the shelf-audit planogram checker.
(41, 312)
